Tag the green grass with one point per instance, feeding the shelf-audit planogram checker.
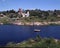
(37, 42)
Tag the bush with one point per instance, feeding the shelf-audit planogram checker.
(5, 20)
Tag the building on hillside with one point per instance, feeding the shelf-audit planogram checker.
(23, 14)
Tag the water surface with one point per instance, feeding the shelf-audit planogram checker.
(14, 33)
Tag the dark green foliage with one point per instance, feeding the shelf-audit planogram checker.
(36, 12)
(11, 11)
(37, 42)
(5, 20)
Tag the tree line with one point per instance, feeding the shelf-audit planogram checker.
(37, 12)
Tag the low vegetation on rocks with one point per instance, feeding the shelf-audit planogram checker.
(37, 42)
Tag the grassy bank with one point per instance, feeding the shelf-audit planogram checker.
(37, 42)
(28, 21)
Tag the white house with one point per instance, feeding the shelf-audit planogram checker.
(20, 12)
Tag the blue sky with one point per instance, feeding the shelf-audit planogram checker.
(29, 4)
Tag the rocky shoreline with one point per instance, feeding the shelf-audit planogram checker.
(35, 23)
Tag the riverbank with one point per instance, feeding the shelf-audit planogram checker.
(37, 42)
(37, 23)
(34, 23)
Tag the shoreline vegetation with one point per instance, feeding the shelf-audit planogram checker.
(37, 42)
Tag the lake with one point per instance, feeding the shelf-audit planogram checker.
(15, 33)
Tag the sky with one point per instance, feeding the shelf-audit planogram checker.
(29, 4)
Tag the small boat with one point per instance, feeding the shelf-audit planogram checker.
(37, 30)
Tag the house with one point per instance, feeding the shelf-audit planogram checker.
(23, 14)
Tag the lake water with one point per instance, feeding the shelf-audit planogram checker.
(14, 33)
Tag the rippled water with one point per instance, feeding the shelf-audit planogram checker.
(14, 33)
